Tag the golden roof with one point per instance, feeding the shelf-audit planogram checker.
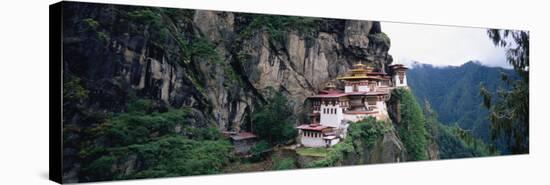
(347, 77)
(359, 71)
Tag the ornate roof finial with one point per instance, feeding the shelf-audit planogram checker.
(359, 65)
(330, 86)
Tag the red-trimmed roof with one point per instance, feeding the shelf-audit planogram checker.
(368, 93)
(334, 91)
(328, 95)
(312, 127)
(377, 93)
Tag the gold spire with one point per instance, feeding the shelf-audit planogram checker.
(359, 65)
(330, 86)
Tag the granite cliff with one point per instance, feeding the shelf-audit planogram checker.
(215, 62)
(217, 66)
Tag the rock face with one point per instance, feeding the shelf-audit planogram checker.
(118, 57)
(388, 149)
(216, 63)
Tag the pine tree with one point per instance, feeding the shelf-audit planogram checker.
(509, 109)
(274, 121)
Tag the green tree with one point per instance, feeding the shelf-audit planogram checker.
(283, 163)
(274, 121)
(411, 127)
(509, 109)
(453, 141)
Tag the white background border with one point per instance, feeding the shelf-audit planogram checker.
(24, 93)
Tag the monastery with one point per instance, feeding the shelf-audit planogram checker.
(365, 94)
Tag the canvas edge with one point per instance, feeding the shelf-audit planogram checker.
(55, 90)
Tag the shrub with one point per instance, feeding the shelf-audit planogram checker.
(277, 26)
(73, 90)
(258, 149)
(361, 134)
(283, 163)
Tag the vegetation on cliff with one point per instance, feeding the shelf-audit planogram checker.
(274, 121)
(144, 142)
(420, 126)
(361, 135)
(278, 26)
(412, 125)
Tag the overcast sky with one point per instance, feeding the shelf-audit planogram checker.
(441, 45)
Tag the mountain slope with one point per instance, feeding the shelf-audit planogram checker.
(453, 92)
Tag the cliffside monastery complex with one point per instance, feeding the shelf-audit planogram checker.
(365, 94)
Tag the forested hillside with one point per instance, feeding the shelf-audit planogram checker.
(454, 93)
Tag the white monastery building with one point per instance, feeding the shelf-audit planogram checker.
(365, 94)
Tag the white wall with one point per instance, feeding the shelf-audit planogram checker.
(397, 82)
(348, 89)
(363, 88)
(309, 141)
(329, 119)
(360, 88)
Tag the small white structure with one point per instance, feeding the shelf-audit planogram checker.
(315, 135)
(399, 75)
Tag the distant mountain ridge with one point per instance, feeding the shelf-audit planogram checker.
(453, 92)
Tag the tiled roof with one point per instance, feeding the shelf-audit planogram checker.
(312, 127)
(369, 93)
(328, 95)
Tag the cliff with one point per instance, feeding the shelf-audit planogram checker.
(217, 62)
(215, 65)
